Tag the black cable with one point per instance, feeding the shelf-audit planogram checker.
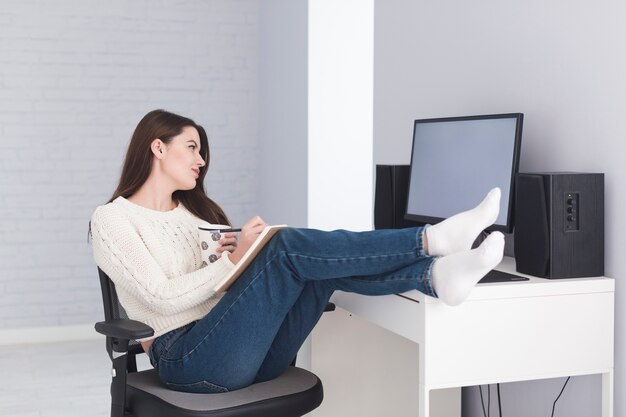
(488, 400)
(499, 403)
(482, 401)
(557, 398)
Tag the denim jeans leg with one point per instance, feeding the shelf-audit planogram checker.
(309, 307)
(227, 346)
(226, 349)
(300, 320)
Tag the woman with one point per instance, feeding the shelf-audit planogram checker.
(146, 240)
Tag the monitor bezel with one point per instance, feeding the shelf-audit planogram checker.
(519, 117)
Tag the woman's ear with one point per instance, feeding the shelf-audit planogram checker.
(157, 146)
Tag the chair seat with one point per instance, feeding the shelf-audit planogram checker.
(294, 393)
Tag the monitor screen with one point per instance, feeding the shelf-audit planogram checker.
(455, 161)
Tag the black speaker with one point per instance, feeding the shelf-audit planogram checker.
(559, 224)
(392, 188)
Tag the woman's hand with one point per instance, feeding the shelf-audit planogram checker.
(249, 232)
(228, 242)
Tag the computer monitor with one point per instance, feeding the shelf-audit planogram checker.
(455, 161)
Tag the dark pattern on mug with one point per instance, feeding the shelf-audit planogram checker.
(212, 258)
(204, 245)
(215, 236)
(203, 264)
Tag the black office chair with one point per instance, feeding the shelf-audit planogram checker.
(142, 394)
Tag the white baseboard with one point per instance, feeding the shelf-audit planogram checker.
(51, 334)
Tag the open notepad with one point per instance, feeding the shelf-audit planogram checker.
(247, 257)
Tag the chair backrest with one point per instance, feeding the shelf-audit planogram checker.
(114, 310)
(112, 307)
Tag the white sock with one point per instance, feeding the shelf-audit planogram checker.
(454, 276)
(457, 233)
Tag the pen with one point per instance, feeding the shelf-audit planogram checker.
(229, 230)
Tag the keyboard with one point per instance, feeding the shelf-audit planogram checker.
(499, 276)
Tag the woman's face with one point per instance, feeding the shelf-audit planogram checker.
(181, 160)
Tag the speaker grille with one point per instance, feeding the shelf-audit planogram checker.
(532, 240)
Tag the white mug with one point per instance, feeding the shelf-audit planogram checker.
(210, 234)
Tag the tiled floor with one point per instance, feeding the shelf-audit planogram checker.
(56, 380)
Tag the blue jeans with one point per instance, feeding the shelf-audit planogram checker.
(256, 329)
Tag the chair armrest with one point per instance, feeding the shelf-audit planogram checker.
(124, 329)
(330, 307)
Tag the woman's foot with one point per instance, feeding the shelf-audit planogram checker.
(457, 233)
(454, 276)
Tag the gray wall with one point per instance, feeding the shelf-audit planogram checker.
(75, 79)
(562, 64)
(282, 169)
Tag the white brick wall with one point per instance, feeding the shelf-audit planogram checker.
(75, 78)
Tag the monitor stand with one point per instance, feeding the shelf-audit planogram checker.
(499, 276)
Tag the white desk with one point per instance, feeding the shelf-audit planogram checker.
(504, 332)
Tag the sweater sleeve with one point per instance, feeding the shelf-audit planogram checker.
(120, 252)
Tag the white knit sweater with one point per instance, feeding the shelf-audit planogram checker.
(153, 258)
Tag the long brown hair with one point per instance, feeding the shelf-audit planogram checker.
(138, 164)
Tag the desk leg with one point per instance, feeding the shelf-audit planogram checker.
(424, 401)
(607, 394)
